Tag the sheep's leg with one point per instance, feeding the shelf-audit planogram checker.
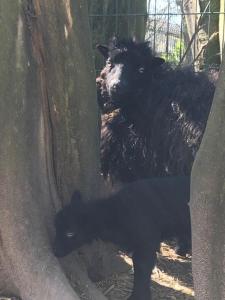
(143, 261)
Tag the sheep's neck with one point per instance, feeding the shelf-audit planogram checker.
(137, 113)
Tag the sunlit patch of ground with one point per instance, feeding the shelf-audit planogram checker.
(171, 279)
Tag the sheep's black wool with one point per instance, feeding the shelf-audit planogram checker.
(153, 116)
(136, 218)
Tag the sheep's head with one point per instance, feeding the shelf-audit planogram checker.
(127, 73)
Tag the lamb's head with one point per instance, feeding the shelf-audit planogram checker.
(71, 225)
(127, 73)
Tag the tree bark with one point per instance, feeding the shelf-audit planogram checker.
(222, 27)
(208, 203)
(203, 31)
(209, 35)
(190, 8)
(49, 139)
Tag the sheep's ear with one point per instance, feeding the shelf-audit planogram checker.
(158, 61)
(104, 50)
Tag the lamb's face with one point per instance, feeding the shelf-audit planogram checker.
(69, 232)
(72, 227)
(126, 74)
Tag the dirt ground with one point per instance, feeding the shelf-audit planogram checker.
(171, 279)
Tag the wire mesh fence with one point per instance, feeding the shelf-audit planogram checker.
(182, 31)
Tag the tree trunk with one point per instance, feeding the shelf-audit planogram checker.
(209, 35)
(222, 26)
(190, 8)
(208, 203)
(49, 139)
(203, 31)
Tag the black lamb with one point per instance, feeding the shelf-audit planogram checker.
(136, 218)
(153, 116)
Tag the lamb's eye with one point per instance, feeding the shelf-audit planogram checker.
(70, 234)
(141, 70)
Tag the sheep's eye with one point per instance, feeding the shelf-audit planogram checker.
(141, 70)
(70, 234)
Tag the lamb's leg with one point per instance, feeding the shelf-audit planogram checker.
(183, 247)
(143, 261)
(184, 242)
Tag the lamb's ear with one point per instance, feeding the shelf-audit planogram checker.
(158, 61)
(104, 50)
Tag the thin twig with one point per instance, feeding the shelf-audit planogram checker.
(190, 44)
(204, 46)
(108, 290)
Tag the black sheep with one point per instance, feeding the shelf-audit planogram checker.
(136, 218)
(153, 116)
